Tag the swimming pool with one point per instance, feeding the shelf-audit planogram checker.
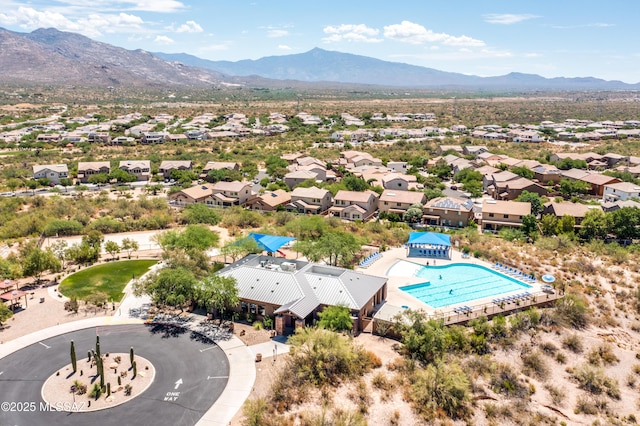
(460, 283)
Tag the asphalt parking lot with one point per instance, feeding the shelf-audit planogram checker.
(191, 373)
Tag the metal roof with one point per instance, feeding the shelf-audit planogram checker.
(300, 287)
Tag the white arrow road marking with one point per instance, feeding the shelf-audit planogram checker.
(48, 347)
(207, 349)
(178, 383)
(217, 377)
(1, 373)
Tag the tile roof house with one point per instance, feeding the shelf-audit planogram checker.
(497, 214)
(270, 201)
(195, 194)
(296, 291)
(576, 210)
(511, 189)
(218, 165)
(167, 166)
(353, 205)
(53, 172)
(141, 169)
(397, 201)
(295, 178)
(309, 200)
(598, 182)
(448, 211)
(492, 181)
(547, 173)
(400, 181)
(620, 191)
(86, 169)
(227, 194)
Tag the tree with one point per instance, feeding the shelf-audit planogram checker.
(570, 187)
(169, 287)
(200, 213)
(66, 182)
(36, 261)
(336, 318)
(193, 237)
(566, 225)
(529, 224)
(441, 169)
(624, 223)
(112, 248)
(240, 248)
(423, 339)
(59, 249)
(129, 246)
(337, 247)
(218, 292)
(353, 183)
(534, 199)
(413, 213)
(58, 227)
(122, 176)
(593, 225)
(5, 313)
(548, 224)
(98, 178)
(523, 171)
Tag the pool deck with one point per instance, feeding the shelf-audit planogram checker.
(402, 275)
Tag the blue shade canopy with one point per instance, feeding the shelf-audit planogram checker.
(270, 243)
(432, 238)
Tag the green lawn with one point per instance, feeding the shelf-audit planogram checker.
(109, 278)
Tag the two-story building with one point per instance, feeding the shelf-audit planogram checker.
(353, 205)
(141, 169)
(311, 200)
(167, 166)
(270, 201)
(86, 169)
(195, 194)
(620, 191)
(448, 211)
(396, 201)
(53, 172)
(497, 214)
(227, 194)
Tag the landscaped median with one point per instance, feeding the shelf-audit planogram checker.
(108, 278)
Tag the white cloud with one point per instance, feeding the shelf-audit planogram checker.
(351, 32)
(163, 40)
(409, 32)
(92, 25)
(160, 6)
(283, 47)
(592, 25)
(507, 18)
(189, 27)
(277, 33)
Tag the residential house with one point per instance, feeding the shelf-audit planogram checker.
(497, 214)
(309, 200)
(353, 205)
(49, 137)
(217, 165)
(153, 137)
(546, 173)
(397, 166)
(447, 148)
(459, 128)
(448, 211)
(620, 191)
(511, 189)
(295, 291)
(357, 159)
(269, 201)
(474, 150)
(53, 172)
(400, 181)
(86, 169)
(491, 182)
(167, 166)
(141, 169)
(598, 182)
(99, 137)
(398, 201)
(617, 205)
(227, 194)
(176, 137)
(295, 178)
(195, 194)
(576, 210)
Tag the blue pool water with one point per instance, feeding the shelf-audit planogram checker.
(459, 283)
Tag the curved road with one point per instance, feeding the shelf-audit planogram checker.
(191, 373)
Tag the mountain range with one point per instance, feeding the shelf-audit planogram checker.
(52, 57)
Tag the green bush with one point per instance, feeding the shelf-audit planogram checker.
(535, 365)
(573, 343)
(572, 310)
(594, 381)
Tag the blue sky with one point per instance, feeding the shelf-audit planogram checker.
(570, 38)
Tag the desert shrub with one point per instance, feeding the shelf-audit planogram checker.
(572, 310)
(360, 396)
(322, 357)
(254, 411)
(594, 381)
(257, 325)
(556, 394)
(381, 382)
(603, 353)
(586, 406)
(535, 365)
(504, 380)
(371, 360)
(573, 343)
(561, 358)
(548, 348)
(439, 390)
